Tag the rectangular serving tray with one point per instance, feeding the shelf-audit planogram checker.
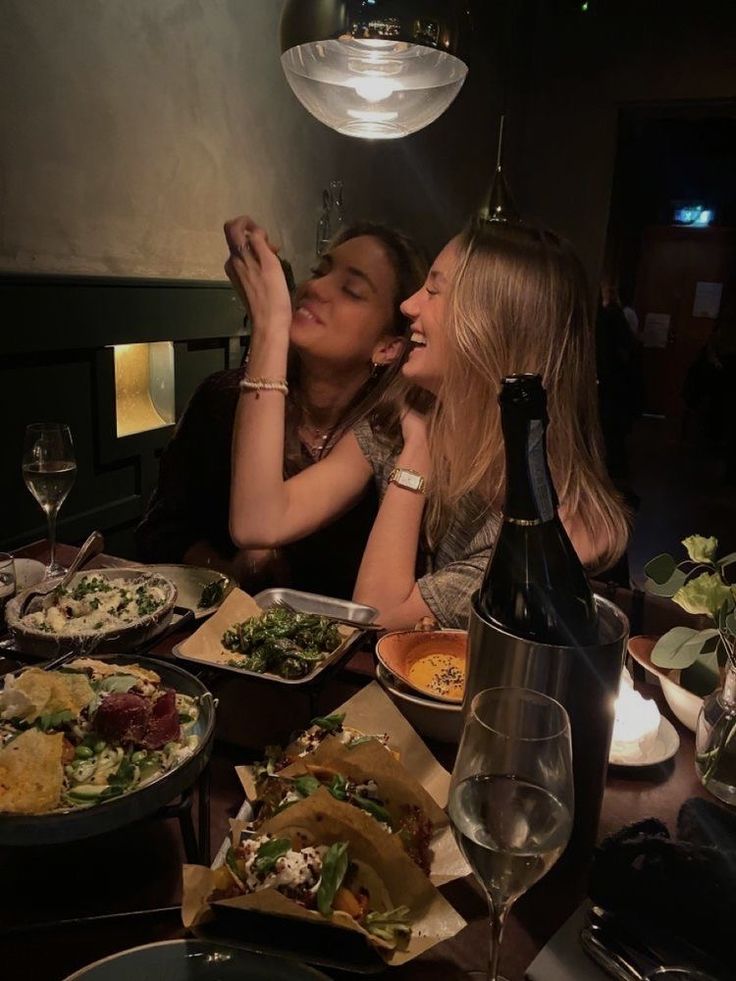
(304, 603)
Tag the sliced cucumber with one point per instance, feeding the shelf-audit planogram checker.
(87, 791)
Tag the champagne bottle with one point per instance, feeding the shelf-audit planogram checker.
(534, 586)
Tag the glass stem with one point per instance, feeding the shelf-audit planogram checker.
(499, 912)
(51, 515)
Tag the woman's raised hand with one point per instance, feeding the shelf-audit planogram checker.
(255, 271)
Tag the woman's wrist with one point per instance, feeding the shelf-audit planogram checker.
(415, 456)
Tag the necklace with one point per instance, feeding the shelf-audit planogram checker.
(316, 436)
(314, 440)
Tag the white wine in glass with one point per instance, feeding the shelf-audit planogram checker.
(49, 470)
(511, 796)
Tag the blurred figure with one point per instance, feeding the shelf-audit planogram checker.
(619, 381)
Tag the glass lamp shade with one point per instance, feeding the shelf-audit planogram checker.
(376, 69)
(370, 88)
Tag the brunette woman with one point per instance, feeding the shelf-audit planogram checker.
(332, 384)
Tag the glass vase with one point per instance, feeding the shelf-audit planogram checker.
(715, 740)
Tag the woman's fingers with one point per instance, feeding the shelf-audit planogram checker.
(238, 231)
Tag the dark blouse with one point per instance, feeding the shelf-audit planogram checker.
(192, 499)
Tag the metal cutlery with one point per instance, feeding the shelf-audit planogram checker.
(628, 955)
(43, 598)
(346, 621)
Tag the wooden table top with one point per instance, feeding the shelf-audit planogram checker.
(138, 867)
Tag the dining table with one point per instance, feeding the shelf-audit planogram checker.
(67, 905)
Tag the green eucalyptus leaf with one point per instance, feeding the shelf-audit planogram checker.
(700, 548)
(726, 560)
(676, 581)
(660, 568)
(679, 647)
(729, 623)
(703, 676)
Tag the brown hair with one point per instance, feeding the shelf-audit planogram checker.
(380, 397)
(519, 303)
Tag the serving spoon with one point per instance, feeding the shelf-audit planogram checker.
(42, 599)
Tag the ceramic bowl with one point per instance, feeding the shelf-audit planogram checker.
(435, 720)
(685, 705)
(399, 651)
(39, 644)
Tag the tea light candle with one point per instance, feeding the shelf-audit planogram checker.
(636, 726)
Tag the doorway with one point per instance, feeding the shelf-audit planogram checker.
(674, 163)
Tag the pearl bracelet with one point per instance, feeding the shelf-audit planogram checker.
(264, 385)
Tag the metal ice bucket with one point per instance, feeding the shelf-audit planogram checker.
(584, 679)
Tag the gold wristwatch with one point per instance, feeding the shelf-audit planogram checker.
(408, 479)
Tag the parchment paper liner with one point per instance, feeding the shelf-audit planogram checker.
(205, 644)
(327, 820)
(416, 777)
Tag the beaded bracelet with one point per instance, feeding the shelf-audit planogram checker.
(264, 385)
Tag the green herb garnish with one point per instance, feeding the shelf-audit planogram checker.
(334, 869)
(212, 593)
(330, 723)
(269, 853)
(392, 925)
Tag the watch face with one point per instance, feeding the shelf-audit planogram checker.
(411, 480)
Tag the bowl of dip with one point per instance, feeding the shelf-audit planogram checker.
(441, 721)
(430, 663)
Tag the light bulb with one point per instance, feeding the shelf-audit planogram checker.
(374, 88)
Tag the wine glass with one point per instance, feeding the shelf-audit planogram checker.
(49, 469)
(511, 796)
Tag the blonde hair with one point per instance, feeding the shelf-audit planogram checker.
(518, 303)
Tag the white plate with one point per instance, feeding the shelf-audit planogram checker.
(28, 572)
(190, 580)
(665, 746)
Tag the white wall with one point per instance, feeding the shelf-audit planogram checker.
(133, 128)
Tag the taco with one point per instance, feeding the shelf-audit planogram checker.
(330, 727)
(322, 860)
(368, 778)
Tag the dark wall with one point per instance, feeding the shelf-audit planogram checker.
(56, 365)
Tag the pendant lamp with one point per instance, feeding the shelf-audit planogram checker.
(499, 205)
(374, 69)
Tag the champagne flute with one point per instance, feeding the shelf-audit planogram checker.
(511, 796)
(49, 469)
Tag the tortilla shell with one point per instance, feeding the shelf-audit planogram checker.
(31, 773)
(370, 761)
(326, 821)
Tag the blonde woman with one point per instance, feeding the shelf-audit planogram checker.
(498, 300)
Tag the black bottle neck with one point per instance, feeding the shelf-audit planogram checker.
(530, 494)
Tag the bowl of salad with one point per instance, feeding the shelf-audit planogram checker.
(96, 744)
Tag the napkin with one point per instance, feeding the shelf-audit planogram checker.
(683, 885)
(563, 958)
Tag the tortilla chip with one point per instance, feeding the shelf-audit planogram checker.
(31, 773)
(49, 692)
(101, 669)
